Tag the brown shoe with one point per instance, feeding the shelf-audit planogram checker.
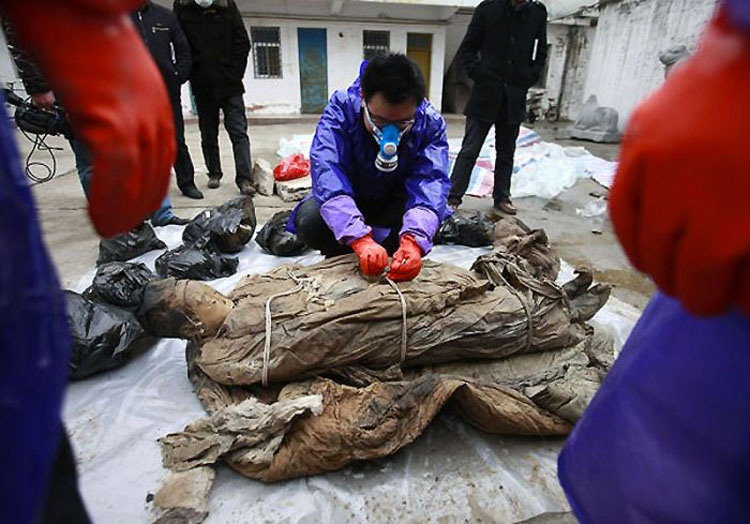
(213, 183)
(246, 188)
(505, 206)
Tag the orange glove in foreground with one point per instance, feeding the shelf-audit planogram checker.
(407, 261)
(681, 199)
(105, 78)
(373, 258)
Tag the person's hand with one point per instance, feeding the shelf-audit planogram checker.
(407, 261)
(114, 96)
(44, 100)
(373, 258)
(680, 203)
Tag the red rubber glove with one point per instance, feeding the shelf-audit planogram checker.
(407, 261)
(373, 258)
(108, 83)
(681, 199)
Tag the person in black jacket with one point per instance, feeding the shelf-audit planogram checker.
(220, 47)
(504, 52)
(162, 34)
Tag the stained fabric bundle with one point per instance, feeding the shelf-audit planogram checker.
(510, 351)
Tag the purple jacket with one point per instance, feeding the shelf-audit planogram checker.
(343, 170)
(739, 13)
(667, 437)
(35, 345)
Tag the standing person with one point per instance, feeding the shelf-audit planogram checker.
(220, 47)
(97, 65)
(163, 36)
(667, 438)
(504, 52)
(43, 97)
(379, 172)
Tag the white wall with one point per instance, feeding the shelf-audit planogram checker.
(557, 37)
(624, 66)
(344, 41)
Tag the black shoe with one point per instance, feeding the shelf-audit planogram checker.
(505, 206)
(192, 192)
(246, 188)
(213, 183)
(454, 203)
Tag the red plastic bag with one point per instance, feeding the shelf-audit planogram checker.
(292, 167)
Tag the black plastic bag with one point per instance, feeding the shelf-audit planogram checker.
(225, 229)
(275, 239)
(104, 336)
(130, 245)
(120, 284)
(194, 264)
(475, 230)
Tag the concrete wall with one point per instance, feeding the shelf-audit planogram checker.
(624, 66)
(344, 39)
(580, 41)
(557, 37)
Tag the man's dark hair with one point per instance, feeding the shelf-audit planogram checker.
(394, 75)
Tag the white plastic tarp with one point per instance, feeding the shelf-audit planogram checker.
(452, 473)
(540, 169)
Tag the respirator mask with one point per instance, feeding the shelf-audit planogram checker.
(204, 3)
(388, 136)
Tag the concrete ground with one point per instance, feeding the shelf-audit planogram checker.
(581, 241)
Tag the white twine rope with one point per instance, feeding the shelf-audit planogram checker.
(267, 346)
(300, 286)
(403, 319)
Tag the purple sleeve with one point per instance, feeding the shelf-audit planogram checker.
(422, 224)
(330, 154)
(344, 219)
(428, 186)
(739, 13)
(665, 439)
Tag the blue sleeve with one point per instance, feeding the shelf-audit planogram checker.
(35, 344)
(330, 153)
(428, 187)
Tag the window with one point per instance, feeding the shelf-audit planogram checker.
(376, 43)
(266, 51)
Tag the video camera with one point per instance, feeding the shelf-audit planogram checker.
(34, 120)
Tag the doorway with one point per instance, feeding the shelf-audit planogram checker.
(313, 69)
(419, 50)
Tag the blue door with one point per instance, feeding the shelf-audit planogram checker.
(313, 69)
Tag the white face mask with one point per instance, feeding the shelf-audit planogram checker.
(204, 3)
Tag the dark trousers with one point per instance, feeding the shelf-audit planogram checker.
(63, 503)
(183, 165)
(235, 123)
(474, 137)
(313, 230)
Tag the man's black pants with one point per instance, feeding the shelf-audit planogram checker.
(235, 123)
(313, 230)
(183, 165)
(474, 137)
